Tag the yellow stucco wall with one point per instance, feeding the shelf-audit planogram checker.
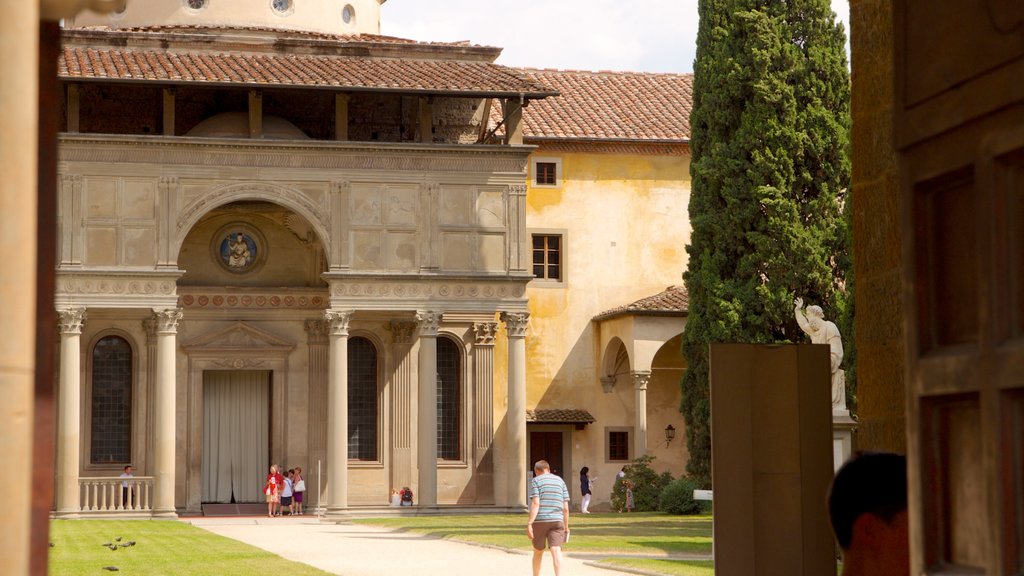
(625, 226)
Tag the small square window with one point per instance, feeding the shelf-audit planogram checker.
(618, 445)
(546, 173)
(547, 256)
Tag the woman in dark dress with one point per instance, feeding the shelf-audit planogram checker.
(585, 489)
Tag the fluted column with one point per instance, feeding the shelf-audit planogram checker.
(640, 380)
(515, 423)
(165, 409)
(337, 411)
(426, 437)
(69, 410)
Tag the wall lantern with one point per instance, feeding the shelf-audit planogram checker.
(670, 434)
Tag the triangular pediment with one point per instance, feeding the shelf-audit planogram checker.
(238, 336)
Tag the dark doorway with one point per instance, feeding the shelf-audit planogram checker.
(547, 446)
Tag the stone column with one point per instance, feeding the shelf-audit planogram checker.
(426, 437)
(483, 422)
(337, 411)
(515, 419)
(69, 411)
(165, 410)
(640, 380)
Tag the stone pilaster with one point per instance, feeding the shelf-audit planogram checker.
(69, 409)
(515, 421)
(403, 415)
(426, 427)
(165, 410)
(517, 237)
(337, 412)
(640, 380)
(316, 342)
(483, 384)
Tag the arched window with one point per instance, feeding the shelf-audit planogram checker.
(449, 399)
(111, 407)
(362, 399)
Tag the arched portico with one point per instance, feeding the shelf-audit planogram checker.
(630, 339)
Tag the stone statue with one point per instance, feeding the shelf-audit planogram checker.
(812, 322)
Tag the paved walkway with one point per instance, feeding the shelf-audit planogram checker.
(360, 550)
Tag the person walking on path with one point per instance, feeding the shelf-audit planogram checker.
(549, 516)
(585, 489)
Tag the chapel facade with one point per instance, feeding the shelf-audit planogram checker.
(286, 239)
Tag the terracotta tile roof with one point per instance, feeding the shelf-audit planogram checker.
(277, 33)
(673, 301)
(610, 106)
(612, 147)
(305, 70)
(559, 416)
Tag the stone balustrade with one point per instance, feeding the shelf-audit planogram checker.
(107, 495)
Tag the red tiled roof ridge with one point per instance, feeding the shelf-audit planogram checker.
(674, 300)
(604, 72)
(368, 38)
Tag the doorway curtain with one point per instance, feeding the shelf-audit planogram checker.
(236, 424)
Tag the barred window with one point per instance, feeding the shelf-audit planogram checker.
(449, 398)
(362, 399)
(111, 407)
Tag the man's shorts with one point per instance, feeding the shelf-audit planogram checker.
(551, 532)
(286, 500)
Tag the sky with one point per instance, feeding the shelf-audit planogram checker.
(633, 35)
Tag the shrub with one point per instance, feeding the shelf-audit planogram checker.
(647, 486)
(677, 498)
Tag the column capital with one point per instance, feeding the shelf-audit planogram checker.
(338, 321)
(517, 189)
(429, 322)
(401, 331)
(70, 320)
(167, 320)
(484, 333)
(641, 378)
(316, 331)
(608, 384)
(516, 323)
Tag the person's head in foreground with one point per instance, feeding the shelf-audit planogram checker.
(868, 508)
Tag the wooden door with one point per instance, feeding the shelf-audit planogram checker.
(959, 129)
(547, 446)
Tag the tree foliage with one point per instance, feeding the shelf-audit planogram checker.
(770, 168)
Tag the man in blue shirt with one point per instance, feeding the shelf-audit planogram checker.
(549, 515)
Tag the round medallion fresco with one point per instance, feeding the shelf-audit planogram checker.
(239, 248)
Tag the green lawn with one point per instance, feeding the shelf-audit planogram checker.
(622, 537)
(161, 547)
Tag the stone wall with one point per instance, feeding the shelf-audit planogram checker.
(876, 218)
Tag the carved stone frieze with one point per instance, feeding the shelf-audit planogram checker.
(239, 363)
(115, 285)
(484, 333)
(338, 321)
(283, 300)
(516, 323)
(315, 155)
(429, 321)
(401, 331)
(414, 289)
(70, 320)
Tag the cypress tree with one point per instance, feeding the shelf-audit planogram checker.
(770, 167)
